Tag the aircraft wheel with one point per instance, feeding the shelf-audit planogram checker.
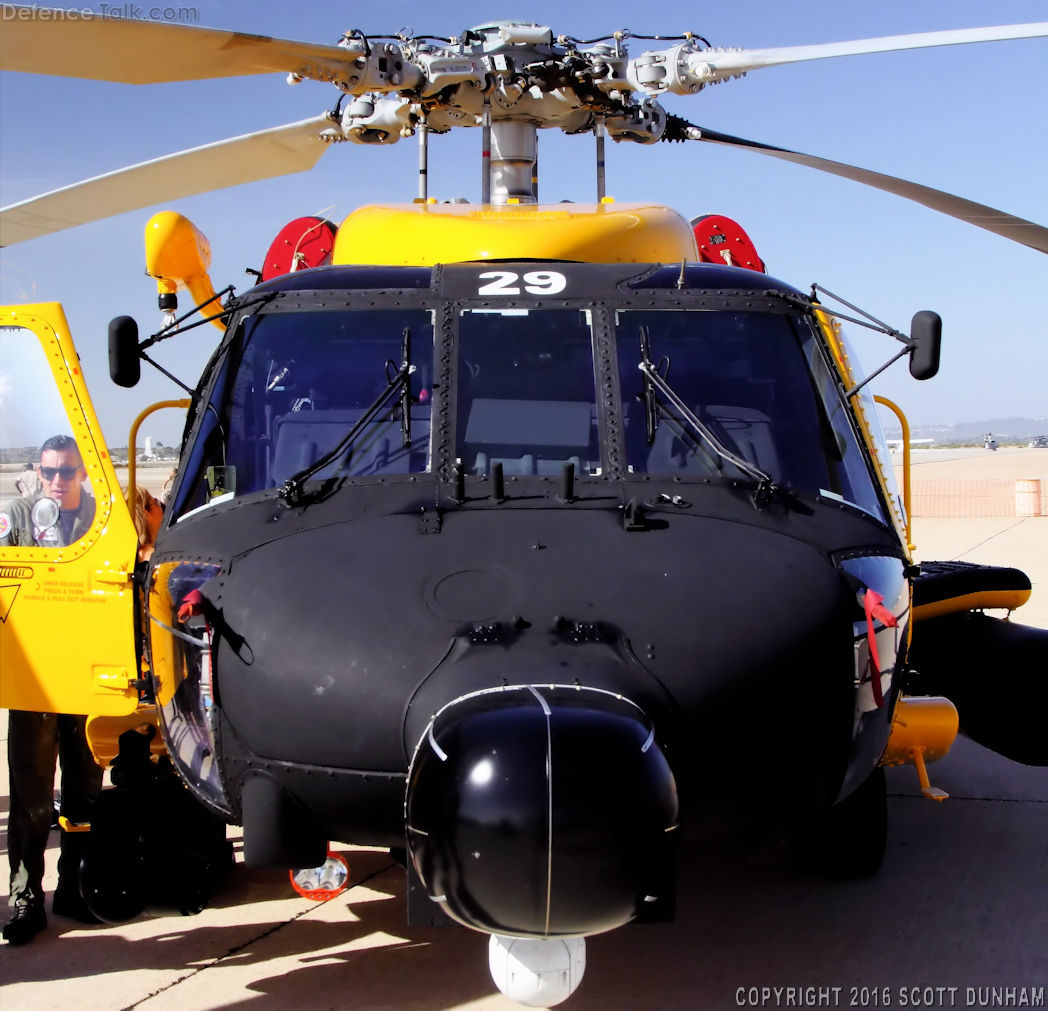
(114, 886)
(114, 869)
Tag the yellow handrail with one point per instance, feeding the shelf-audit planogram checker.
(132, 439)
(905, 425)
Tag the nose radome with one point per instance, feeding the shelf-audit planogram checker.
(542, 811)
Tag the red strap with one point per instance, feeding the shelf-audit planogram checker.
(873, 603)
(193, 604)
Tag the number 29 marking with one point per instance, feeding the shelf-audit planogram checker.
(536, 282)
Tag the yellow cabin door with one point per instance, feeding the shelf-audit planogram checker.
(66, 598)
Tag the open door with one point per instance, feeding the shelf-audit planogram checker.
(66, 598)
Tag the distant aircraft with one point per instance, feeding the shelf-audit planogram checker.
(896, 444)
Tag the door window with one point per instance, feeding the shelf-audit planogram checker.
(46, 497)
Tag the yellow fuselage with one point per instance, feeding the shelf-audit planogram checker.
(426, 234)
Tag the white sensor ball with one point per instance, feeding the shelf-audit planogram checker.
(534, 971)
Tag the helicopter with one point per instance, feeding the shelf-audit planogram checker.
(497, 526)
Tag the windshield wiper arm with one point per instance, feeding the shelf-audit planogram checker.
(405, 389)
(398, 381)
(653, 381)
(651, 404)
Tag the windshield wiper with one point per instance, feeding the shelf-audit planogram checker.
(399, 381)
(405, 388)
(651, 404)
(653, 381)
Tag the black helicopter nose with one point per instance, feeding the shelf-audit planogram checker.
(542, 811)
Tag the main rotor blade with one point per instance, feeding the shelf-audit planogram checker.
(989, 218)
(729, 64)
(261, 155)
(81, 44)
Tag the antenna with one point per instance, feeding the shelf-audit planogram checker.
(423, 162)
(598, 131)
(485, 153)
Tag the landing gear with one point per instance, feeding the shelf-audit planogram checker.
(115, 884)
(151, 843)
(535, 971)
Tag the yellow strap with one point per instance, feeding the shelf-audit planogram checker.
(73, 826)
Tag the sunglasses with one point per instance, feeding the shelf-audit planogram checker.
(65, 473)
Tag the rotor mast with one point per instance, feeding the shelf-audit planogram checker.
(511, 168)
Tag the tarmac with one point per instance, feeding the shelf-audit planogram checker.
(957, 917)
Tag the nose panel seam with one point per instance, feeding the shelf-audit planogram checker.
(547, 712)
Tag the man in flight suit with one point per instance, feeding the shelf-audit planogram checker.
(60, 515)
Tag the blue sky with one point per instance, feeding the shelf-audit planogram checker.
(966, 119)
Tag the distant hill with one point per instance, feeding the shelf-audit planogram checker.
(1003, 429)
(31, 454)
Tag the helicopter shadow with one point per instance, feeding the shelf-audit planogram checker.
(384, 964)
(250, 905)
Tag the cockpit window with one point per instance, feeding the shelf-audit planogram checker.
(848, 474)
(298, 384)
(526, 392)
(741, 395)
(757, 383)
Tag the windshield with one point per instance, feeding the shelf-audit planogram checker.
(760, 385)
(738, 394)
(298, 383)
(526, 392)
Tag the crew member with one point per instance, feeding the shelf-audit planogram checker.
(58, 516)
(147, 513)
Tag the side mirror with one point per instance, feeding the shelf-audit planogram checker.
(125, 367)
(925, 338)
